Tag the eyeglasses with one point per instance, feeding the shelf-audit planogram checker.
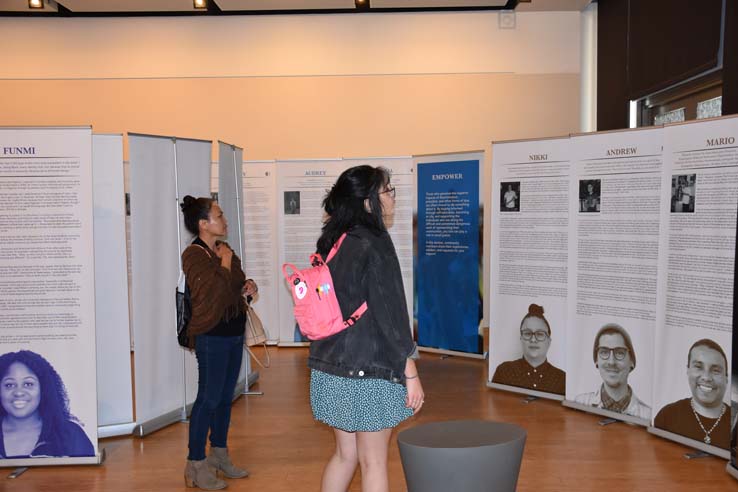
(619, 352)
(528, 335)
(390, 190)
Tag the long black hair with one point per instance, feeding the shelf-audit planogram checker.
(54, 405)
(344, 204)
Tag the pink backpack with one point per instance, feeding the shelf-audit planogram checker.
(316, 307)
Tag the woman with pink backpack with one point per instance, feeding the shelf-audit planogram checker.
(363, 380)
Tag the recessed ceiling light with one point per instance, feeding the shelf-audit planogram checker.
(35, 4)
(201, 4)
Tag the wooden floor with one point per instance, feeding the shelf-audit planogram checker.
(276, 438)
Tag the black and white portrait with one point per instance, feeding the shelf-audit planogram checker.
(510, 196)
(291, 202)
(589, 195)
(615, 358)
(533, 370)
(35, 419)
(683, 188)
(703, 416)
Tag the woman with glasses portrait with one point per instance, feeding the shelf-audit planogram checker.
(615, 358)
(532, 370)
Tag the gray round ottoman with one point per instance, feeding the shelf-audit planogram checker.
(462, 455)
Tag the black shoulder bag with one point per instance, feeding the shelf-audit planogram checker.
(184, 315)
(184, 309)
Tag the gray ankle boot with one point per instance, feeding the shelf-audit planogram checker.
(220, 460)
(200, 474)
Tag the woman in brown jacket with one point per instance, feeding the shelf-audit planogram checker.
(217, 286)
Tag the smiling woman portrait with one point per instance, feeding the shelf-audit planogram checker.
(34, 410)
(532, 370)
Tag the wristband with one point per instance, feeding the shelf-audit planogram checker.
(411, 377)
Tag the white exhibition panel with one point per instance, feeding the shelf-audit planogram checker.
(697, 249)
(260, 258)
(114, 385)
(301, 187)
(193, 178)
(229, 195)
(230, 189)
(539, 171)
(155, 249)
(238, 164)
(47, 277)
(613, 266)
(651, 250)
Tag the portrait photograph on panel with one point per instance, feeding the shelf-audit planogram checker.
(35, 415)
(696, 408)
(291, 202)
(614, 358)
(589, 195)
(510, 196)
(683, 188)
(532, 369)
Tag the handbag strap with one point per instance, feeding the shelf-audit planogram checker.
(204, 249)
(249, 311)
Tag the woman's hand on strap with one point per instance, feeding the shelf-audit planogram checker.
(225, 253)
(250, 288)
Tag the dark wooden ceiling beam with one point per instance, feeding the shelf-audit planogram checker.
(213, 9)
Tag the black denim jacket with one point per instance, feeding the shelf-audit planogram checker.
(366, 268)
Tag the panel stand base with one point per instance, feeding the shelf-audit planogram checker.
(607, 421)
(696, 454)
(17, 472)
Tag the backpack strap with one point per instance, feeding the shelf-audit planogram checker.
(286, 272)
(357, 314)
(335, 247)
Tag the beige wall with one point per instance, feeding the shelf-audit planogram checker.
(310, 117)
(302, 86)
(292, 45)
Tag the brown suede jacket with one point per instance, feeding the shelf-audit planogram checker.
(215, 291)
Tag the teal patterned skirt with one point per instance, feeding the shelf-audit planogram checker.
(363, 405)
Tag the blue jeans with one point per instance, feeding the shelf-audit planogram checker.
(218, 364)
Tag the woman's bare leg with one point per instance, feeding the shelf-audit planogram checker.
(373, 448)
(340, 469)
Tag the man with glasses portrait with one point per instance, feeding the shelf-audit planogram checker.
(705, 416)
(532, 370)
(615, 358)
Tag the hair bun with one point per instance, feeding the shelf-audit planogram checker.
(187, 202)
(535, 310)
